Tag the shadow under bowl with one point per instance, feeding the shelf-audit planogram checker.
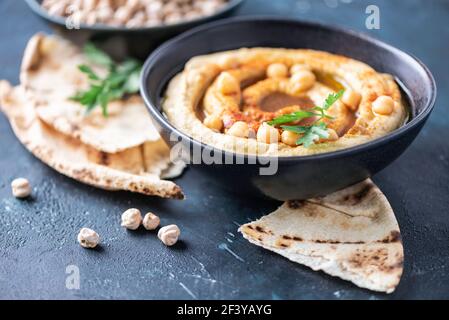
(297, 177)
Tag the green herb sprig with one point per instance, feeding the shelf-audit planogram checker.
(311, 133)
(122, 79)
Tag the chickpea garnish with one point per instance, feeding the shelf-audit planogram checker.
(383, 105)
(239, 129)
(351, 99)
(333, 136)
(302, 81)
(299, 67)
(277, 70)
(227, 84)
(267, 134)
(290, 138)
(213, 122)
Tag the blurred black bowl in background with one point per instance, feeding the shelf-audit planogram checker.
(122, 41)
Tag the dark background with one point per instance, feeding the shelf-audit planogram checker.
(38, 236)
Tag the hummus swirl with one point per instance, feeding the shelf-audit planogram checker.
(224, 99)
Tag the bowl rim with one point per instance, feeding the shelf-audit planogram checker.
(396, 134)
(36, 8)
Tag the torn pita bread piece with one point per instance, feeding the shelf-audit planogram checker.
(135, 169)
(352, 234)
(50, 75)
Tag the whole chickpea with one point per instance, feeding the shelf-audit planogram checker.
(333, 136)
(290, 138)
(20, 188)
(131, 219)
(227, 84)
(213, 122)
(89, 5)
(383, 105)
(302, 81)
(277, 70)
(267, 134)
(151, 221)
(239, 129)
(351, 99)
(169, 234)
(123, 14)
(88, 238)
(297, 67)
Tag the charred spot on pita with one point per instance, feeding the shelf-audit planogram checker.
(295, 204)
(104, 158)
(284, 243)
(394, 236)
(358, 196)
(262, 230)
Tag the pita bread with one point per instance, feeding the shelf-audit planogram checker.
(50, 75)
(351, 234)
(133, 169)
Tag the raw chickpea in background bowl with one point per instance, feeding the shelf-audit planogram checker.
(133, 13)
(129, 27)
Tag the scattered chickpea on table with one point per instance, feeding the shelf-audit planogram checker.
(131, 219)
(88, 238)
(20, 188)
(169, 234)
(151, 221)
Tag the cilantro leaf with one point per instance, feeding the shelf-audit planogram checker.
(296, 129)
(88, 70)
(122, 79)
(317, 130)
(312, 134)
(332, 98)
(132, 84)
(295, 116)
(97, 56)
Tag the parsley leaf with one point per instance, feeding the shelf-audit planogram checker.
(295, 116)
(314, 132)
(122, 79)
(332, 98)
(97, 56)
(87, 70)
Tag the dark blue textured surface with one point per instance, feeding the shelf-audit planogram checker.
(37, 236)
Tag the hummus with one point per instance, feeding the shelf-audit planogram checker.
(225, 99)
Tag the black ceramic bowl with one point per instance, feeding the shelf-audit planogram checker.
(137, 42)
(298, 177)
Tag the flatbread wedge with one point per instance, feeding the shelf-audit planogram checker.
(50, 75)
(352, 234)
(135, 169)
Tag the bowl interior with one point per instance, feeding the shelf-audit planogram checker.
(170, 58)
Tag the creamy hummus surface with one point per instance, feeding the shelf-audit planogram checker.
(228, 99)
